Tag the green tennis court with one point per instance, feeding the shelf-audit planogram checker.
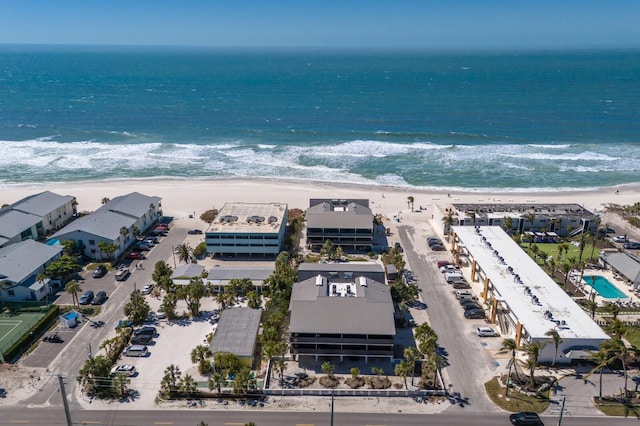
(15, 325)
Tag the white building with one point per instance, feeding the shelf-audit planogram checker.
(248, 229)
(522, 298)
(20, 265)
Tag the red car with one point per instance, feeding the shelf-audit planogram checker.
(135, 255)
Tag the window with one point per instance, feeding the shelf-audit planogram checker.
(92, 242)
(11, 292)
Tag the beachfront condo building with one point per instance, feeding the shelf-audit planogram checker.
(339, 310)
(115, 222)
(347, 223)
(561, 219)
(248, 229)
(35, 216)
(522, 299)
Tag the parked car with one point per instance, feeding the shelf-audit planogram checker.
(194, 232)
(147, 288)
(135, 255)
(460, 284)
(443, 263)
(100, 271)
(525, 418)
(141, 245)
(632, 245)
(438, 247)
(463, 293)
(128, 370)
(471, 306)
(136, 350)
(145, 330)
(141, 339)
(101, 296)
(151, 240)
(433, 240)
(474, 314)
(86, 298)
(486, 332)
(122, 274)
(450, 277)
(620, 239)
(449, 268)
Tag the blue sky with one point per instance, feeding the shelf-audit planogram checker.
(328, 23)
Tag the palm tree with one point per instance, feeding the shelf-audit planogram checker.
(448, 222)
(616, 328)
(410, 201)
(601, 359)
(617, 350)
(592, 307)
(529, 217)
(412, 355)
(613, 309)
(184, 252)
(188, 386)
(507, 224)
(73, 288)
(555, 338)
(533, 351)
(217, 380)
(582, 244)
(510, 345)
(200, 355)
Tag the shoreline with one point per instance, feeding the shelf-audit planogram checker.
(184, 197)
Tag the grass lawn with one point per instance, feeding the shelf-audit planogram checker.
(550, 249)
(516, 401)
(619, 410)
(633, 335)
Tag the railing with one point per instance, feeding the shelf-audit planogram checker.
(355, 392)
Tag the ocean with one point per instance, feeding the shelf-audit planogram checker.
(500, 121)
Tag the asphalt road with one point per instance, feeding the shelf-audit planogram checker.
(192, 417)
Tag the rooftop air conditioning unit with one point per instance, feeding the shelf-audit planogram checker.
(362, 281)
(319, 280)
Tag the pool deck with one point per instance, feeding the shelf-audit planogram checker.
(633, 297)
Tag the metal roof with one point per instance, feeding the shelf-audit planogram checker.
(339, 214)
(133, 204)
(254, 274)
(368, 311)
(487, 244)
(627, 265)
(188, 270)
(105, 224)
(13, 222)
(237, 331)
(41, 204)
(333, 270)
(19, 261)
(519, 210)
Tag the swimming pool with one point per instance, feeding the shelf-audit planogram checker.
(604, 288)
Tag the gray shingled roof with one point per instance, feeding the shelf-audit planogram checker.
(13, 222)
(42, 203)
(355, 215)
(105, 224)
(369, 270)
(19, 261)
(314, 311)
(237, 331)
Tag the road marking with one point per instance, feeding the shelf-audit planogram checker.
(91, 422)
(162, 423)
(19, 421)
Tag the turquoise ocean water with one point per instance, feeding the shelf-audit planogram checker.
(456, 120)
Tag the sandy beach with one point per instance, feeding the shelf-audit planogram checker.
(181, 198)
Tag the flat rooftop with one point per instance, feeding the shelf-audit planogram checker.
(249, 218)
(532, 296)
(237, 331)
(540, 210)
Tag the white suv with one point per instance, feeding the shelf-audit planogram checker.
(486, 332)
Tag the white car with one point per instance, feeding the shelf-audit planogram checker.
(449, 268)
(128, 370)
(620, 239)
(147, 289)
(486, 332)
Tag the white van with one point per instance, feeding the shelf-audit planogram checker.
(453, 276)
(136, 350)
(462, 293)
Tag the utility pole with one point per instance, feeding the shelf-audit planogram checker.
(63, 393)
(332, 393)
(561, 411)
